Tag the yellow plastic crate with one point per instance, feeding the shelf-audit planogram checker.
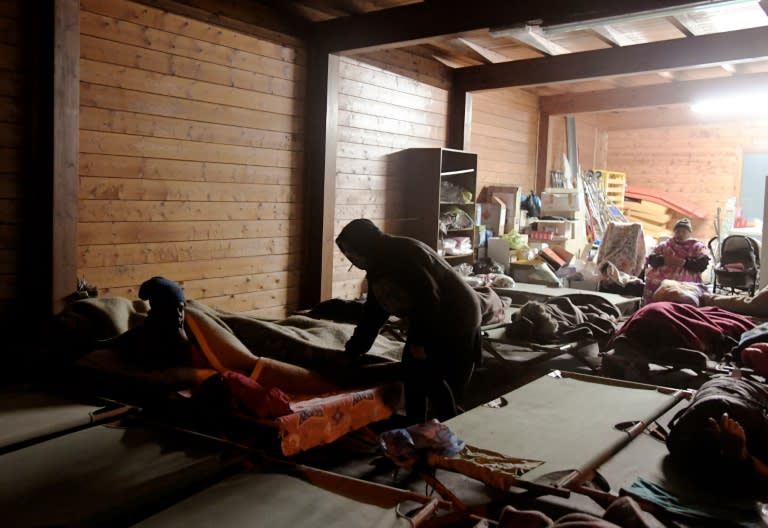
(613, 185)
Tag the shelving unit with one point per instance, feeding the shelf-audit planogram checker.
(425, 172)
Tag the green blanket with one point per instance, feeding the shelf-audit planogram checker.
(298, 339)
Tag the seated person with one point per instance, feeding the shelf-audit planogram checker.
(680, 258)
(174, 349)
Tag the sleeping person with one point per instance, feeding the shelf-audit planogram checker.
(177, 349)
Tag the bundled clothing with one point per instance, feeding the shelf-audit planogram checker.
(566, 318)
(408, 279)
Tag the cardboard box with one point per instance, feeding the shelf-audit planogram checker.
(493, 215)
(558, 228)
(553, 202)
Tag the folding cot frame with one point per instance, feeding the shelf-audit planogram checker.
(126, 471)
(570, 422)
(29, 415)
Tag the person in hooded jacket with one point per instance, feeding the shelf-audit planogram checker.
(408, 279)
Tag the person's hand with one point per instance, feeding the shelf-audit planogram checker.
(672, 260)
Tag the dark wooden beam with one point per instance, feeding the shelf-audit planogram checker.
(542, 149)
(650, 95)
(248, 18)
(415, 23)
(65, 171)
(320, 175)
(49, 179)
(734, 46)
(459, 118)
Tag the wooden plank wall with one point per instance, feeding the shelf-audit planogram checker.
(388, 101)
(701, 163)
(190, 157)
(504, 135)
(10, 154)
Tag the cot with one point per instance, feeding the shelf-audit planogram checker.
(112, 474)
(296, 496)
(561, 426)
(31, 414)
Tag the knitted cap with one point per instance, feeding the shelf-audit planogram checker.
(161, 291)
(684, 222)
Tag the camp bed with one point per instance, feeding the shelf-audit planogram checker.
(298, 496)
(28, 415)
(108, 475)
(559, 428)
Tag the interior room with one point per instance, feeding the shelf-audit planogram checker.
(210, 154)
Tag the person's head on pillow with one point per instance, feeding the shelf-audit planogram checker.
(166, 303)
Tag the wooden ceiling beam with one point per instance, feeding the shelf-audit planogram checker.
(415, 23)
(650, 95)
(486, 55)
(734, 46)
(248, 18)
(533, 37)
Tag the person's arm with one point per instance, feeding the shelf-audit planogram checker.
(696, 264)
(656, 258)
(425, 295)
(371, 321)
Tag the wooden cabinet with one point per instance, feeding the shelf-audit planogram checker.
(440, 184)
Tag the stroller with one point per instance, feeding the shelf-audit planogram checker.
(737, 264)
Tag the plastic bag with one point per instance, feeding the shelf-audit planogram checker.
(452, 193)
(405, 447)
(455, 219)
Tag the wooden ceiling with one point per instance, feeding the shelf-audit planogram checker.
(591, 56)
(558, 30)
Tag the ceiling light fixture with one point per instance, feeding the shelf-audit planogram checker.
(750, 105)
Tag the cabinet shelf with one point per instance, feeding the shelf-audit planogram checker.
(425, 172)
(455, 172)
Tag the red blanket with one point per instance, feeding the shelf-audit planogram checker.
(675, 325)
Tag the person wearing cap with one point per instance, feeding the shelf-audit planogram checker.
(177, 348)
(408, 279)
(681, 258)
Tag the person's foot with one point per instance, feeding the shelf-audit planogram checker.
(733, 439)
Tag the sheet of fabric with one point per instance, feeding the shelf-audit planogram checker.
(496, 470)
(709, 329)
(322, 420)
(569, 317)
(623, 245)
(298, 340)
(699, 508)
